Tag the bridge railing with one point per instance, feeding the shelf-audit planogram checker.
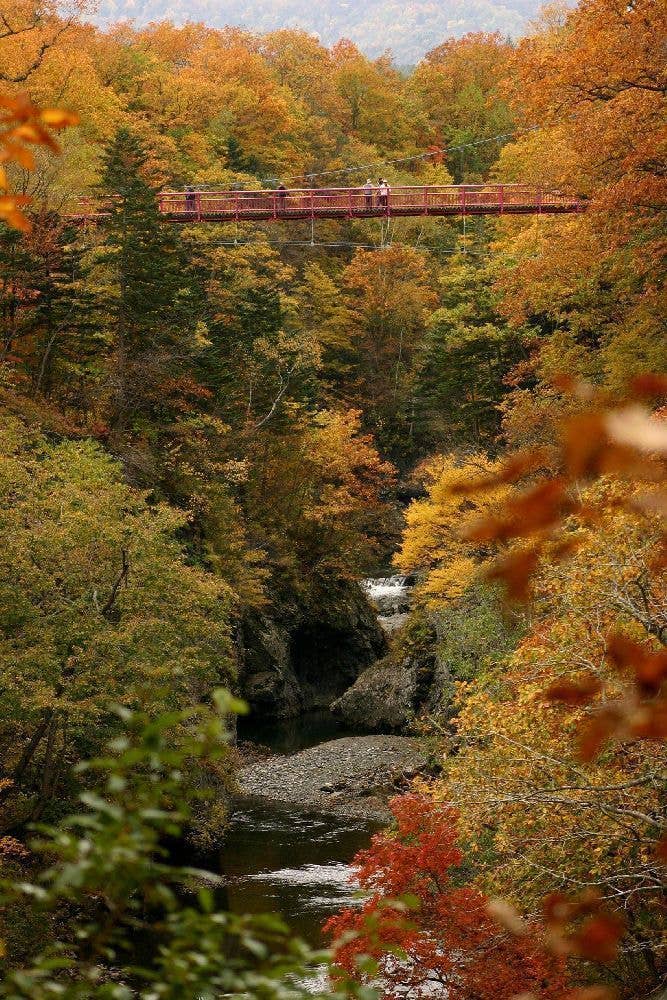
(311, 202)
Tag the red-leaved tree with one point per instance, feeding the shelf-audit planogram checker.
(447, 946)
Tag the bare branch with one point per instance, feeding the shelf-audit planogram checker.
(44, 47)
(118, 582)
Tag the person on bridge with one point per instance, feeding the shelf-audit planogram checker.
(190, 199)
(383, 193)
(368, 193)
(282, 196)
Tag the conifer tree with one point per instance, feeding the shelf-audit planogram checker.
(16, 264)
(70, 335)
(49, 315)
(155, 304)
(467, 351)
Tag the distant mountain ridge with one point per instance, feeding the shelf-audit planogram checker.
(408, 29)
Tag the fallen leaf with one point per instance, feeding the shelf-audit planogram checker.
(636, 427)
(595, 732)
(598, 937)
(575, 692)
(514, 468)
(650, 385)
(58, 118)
(515, 571)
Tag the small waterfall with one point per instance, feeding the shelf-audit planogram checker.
(392, 596)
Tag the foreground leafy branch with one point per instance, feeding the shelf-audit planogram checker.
(23, 125)
(138, 925)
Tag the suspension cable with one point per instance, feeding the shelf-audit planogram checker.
(407, 159)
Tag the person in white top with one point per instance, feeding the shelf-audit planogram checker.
(383, 193)
(368, 193)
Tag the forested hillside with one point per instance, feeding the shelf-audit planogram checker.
(408, 31)
(210, 433)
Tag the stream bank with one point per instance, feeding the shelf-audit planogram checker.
(284, 857)
(354, 776)
(293, 858)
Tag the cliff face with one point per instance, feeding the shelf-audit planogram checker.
(395, 691)
(429, 654)
(299, 656)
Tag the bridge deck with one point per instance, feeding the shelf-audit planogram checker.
(354, 203)
(342, 203)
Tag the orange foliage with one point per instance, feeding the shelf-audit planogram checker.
(600, 73)
(631, 444)
(446, 944)
(22, 125)
(627, 442)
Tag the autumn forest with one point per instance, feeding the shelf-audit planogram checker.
(221, 441)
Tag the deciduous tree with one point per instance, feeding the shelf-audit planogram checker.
(443, 944)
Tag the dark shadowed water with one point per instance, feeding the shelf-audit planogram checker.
(291, 735)
(279, 859)
(297, 865)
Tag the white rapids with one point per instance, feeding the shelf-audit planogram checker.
(392, 596)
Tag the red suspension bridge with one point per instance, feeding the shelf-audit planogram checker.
(355, 203)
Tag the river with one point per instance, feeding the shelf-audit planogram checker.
(289, 861)
(280, 859)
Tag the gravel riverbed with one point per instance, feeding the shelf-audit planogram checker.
(353, 776)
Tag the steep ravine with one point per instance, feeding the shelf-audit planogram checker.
(320, 787)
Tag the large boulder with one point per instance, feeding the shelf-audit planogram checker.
(388, 695)
(429, 655)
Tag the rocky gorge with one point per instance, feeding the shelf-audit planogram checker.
(323, 748)
(303, 655)
(410, 679)
(357, 650)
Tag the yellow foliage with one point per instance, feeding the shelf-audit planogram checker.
(23, 125)
(543, 820)
(433, 543)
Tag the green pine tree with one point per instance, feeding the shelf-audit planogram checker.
(49, 317)
(70, 335)
(155, 302)
(16, 312)
(467, 352)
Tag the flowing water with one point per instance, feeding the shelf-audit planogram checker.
(280, 859)
(291, 862)
(392, 596)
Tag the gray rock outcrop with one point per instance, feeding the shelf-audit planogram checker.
(299, 657)
(389, 694)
